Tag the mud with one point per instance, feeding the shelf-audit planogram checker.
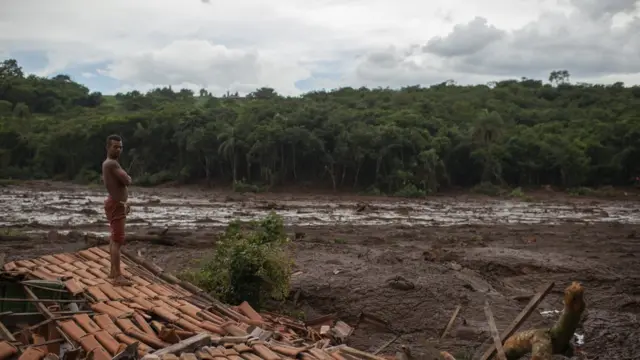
(407, 263)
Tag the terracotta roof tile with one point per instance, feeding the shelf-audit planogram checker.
(121, 306)
(97, 293)
(110, 343)
(65, 258)
(55, 269)
(156, 313)
(7, 350)
(98, 273)
(52, 259)
(80, 265)
(110, 291)
(43, 274)
(86, 323)
(107, 309)
(26, 263)
(101, 253)
(72, 329)
(40, 262)
(93, 264)
(83, 274)
(68, 267)
(89, 255)
(147, 292)
(33, 353)
(141, 281)
(91, 345)
(104, 321)
(247, 310)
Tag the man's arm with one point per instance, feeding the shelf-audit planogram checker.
(119, 172)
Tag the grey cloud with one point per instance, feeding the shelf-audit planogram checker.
(602, 8)
(478, 52)
(206, 64)
(584, 47)
(393, 67)
(465, 39)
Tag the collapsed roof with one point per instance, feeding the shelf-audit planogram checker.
(79, 313)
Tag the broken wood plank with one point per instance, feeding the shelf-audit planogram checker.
(196, 341)
(451, 321)
(361, 354)
(385, 345)
(521, 318)
(494, 332)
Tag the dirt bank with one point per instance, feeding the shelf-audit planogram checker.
(408, 263)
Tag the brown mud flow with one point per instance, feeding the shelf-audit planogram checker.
(409, 264)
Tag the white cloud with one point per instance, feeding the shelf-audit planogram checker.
(244, 44)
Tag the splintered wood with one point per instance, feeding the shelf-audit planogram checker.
(520, 319)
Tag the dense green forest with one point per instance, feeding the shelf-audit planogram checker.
(417, 139)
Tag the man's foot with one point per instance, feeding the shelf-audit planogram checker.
(121, 281)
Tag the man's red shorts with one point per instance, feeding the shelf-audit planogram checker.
(116, 213)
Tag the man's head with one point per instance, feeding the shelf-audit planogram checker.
(114, 146)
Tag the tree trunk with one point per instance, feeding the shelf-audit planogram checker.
(234, 166)
(355, 181)
(295, 175)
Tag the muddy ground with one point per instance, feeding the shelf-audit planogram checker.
(450, 251)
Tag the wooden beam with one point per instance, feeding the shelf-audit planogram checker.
(494, 332)
(521, 318)
(451, 321)
(194, 342)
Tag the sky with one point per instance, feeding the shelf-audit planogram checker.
(296, 46)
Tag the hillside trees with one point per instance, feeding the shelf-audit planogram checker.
(516, 132)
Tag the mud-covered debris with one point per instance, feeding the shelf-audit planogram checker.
(342, 330)
(88, 212)
(299, 235)
(400, 283)
(75, 235)
(363, 207)
(271, 205)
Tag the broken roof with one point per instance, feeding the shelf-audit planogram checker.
(158, 315)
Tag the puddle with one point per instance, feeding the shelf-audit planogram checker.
(85, 207)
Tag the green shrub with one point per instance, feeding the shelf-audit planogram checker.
(250, 263)
(410, 191)
(243, 187)
(489, 189)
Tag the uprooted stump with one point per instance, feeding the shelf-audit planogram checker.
(543, 343)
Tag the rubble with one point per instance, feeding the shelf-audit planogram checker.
(77, 312)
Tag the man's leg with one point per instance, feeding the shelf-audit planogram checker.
(117, 241)
(112, 255)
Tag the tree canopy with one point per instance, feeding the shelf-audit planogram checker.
(421, 139)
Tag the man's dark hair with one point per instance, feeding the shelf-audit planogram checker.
(113, 138)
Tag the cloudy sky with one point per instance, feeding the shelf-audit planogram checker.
(299, 45)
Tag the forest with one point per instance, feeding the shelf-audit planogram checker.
(414, 140)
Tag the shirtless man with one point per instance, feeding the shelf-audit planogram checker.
(116, 208)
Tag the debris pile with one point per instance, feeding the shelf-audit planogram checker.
(80, 313)
(63, 306)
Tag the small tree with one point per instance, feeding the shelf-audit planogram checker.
(250, 263)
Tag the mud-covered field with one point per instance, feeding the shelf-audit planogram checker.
(350, 258)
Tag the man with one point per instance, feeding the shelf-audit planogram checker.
(116, 208)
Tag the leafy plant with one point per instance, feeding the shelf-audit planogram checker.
(251, 263)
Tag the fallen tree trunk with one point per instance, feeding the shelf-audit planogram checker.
(543, 343)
